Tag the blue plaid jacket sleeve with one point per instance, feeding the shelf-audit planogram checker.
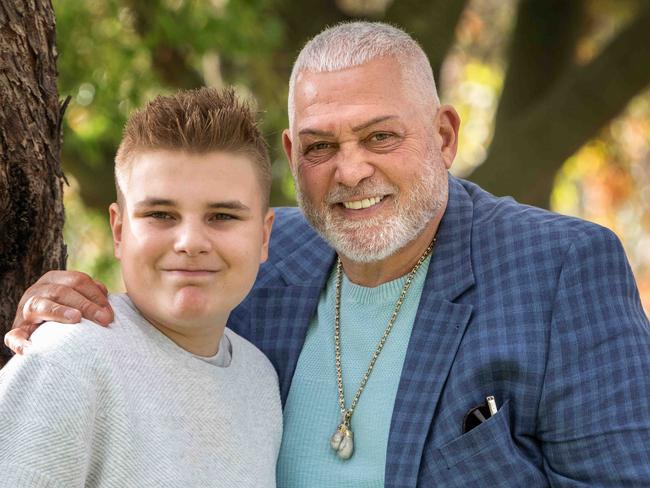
(594, 411)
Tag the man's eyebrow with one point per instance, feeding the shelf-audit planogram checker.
(371, 122)
(357, 128)
(315, 132)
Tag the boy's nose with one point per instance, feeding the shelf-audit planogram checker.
(192, 239)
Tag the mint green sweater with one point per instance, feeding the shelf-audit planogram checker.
(312, 413)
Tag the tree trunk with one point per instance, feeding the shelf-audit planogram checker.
(528, 149)
(31, 180)
(432, 22)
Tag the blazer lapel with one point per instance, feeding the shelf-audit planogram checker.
(437, 332)
(280, 315)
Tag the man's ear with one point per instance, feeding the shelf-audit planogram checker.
(115, 217)
(287, 146)
(447, 125)
(268, 225)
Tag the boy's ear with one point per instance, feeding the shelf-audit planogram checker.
(115, 217)
(268, 225)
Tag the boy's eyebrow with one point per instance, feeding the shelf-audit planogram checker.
(229, 204)
(154, 202)
(164, 202)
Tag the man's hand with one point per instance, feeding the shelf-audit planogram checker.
(61, 296)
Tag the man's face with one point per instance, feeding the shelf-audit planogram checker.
(369, 157)
(190, 236)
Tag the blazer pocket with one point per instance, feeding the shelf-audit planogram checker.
(491, 434)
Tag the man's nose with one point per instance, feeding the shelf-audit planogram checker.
(192, 238)
(353, 165)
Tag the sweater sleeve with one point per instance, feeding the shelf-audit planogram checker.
(46, 421)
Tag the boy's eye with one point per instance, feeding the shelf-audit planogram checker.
(222, 216)
(159, 215)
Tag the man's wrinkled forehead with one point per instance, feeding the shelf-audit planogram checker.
(380, 80)
(304, 86)
(354, 97)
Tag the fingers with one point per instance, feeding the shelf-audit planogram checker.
(83, 284)
(102, 287)
(62, 304)
(41, 309)
(18, 340)
(63, 296)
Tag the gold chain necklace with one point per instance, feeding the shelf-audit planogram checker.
(342, 439)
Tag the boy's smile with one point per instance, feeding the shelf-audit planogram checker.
(190, 236)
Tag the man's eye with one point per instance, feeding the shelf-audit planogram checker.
(318, 146)
(382, 141)
(380, 136)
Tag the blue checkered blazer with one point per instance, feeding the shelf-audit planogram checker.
(537, 309)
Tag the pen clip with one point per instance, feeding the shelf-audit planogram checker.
(492, 405)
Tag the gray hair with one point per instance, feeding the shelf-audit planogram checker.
(350, 44)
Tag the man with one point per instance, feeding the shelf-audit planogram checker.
(445, 299)
(167, 396)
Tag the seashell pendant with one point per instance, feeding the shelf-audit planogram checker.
(342, 442)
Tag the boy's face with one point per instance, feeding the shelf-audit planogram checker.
(190, 236)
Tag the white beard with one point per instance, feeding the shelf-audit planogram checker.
(375, 239)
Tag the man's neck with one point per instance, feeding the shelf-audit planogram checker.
(397, 265)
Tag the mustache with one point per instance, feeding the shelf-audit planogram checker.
(345, 194)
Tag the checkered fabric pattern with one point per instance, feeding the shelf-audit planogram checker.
(537, 309)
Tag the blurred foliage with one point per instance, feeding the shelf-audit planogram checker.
(473, 74)
(608, 182)
(89, 240)
(114, 55)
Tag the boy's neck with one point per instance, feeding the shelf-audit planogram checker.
(201, 341)
(204, 342)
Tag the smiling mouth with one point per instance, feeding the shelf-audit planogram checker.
(361, 204)
(191, 272)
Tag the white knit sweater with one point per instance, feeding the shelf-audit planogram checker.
(126, 407)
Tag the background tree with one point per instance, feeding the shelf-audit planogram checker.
(552, 100)
(537, 83)
(551, 103)
(534, 80)
(31, 181)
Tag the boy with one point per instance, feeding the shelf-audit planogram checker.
(166, 396)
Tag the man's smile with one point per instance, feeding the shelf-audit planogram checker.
(362, 203)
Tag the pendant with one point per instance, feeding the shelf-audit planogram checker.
(342, 442)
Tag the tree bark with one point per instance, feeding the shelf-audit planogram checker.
(31, 180)
(432, 22)
(531, 147)
(542, 47)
